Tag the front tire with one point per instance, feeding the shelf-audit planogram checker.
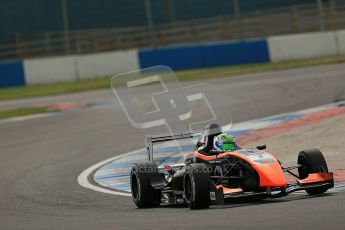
(312, 161)
(197, 186)
(144, 196)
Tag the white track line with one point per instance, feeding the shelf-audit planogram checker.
(84, 181)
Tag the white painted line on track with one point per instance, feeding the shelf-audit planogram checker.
(84, 181)
(29, 117)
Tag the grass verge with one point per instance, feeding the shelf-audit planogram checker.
(101, 83)
(5, 114)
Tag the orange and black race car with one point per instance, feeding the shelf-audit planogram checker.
(211, 177)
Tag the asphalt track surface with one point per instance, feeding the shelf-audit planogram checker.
(40, 160)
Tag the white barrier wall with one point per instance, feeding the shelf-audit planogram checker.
(72, 68)
(107, 64)
(340, 38)
(47, 70)
(299, 46)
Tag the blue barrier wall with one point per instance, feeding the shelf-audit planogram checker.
(11, 74)
(206, 55)
(179, 57)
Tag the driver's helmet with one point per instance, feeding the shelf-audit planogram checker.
(223, 142)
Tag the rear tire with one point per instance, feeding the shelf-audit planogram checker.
(196, 186)
(313, 161)
(144, 196)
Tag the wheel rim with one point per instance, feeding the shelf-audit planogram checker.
(188, 188)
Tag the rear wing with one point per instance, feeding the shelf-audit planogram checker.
(150, 140)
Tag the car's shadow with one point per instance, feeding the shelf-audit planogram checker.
(242, 202)
(254, 201)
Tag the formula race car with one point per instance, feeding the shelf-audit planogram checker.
(208, 176)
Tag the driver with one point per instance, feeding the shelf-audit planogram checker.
(224, 142)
